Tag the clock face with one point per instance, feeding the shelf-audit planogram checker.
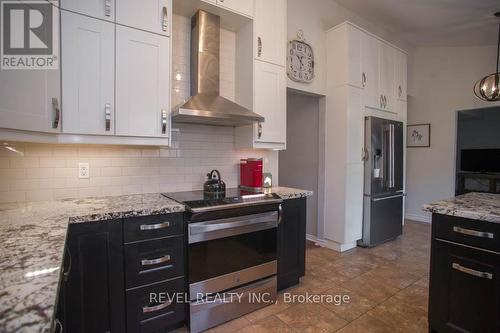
(300, 65)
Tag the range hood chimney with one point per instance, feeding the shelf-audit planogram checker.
(206, 106)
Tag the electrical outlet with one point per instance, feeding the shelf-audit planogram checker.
(83, 170)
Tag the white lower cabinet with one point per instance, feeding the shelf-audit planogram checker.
(344, 168)
(88, 62)
(270, 102)
(142, 83)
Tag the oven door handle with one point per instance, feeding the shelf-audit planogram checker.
(199, 231)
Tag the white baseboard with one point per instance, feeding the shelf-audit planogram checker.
(331, 244)
(419, 218)
(339, 247)
(315, 240)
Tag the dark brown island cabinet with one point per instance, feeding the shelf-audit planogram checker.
(122, 276)
(112, 268)
(292, 243)
(464, 291)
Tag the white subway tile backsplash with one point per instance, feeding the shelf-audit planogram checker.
(40, 195)
(24, 162)
(52, 162)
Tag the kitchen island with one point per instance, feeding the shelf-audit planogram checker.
(33, 237)
(464, 289)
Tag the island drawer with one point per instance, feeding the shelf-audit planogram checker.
(481, 234)
(157, 307)
(150, 227)
(154, 260)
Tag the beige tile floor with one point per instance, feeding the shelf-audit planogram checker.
(387, 288)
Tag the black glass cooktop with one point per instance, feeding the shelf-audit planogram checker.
(197, 199)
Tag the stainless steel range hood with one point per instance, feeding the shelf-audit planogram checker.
(206, 106)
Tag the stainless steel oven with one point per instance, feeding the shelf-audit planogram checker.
(232, 263)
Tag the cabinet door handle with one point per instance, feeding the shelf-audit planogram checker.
(400, 91)
(107, 116)
(58, 326)
(381, 101)
(163, 121)
(363, 79)
(146, 309)
(164, 21)
(280, 214)
(473, 272)
(107, 7)
(149, 262)
(475, 233)
(259, 130)
(259, 47)
(385, 102)
(66, 273)
(57, 112)
(364, 154)
(157, 226)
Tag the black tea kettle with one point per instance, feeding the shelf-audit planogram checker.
(214, 188)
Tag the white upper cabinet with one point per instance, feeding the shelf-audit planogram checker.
(401, 76)
(370, 70)
(102, 9)
(88, 60)
(244, 7)
(142, 83)
(270, 102)
(386, 76)
(270, 31)
(30, 98)
(365, 61)
(149, 15)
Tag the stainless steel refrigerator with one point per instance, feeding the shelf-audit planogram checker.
(383, 181)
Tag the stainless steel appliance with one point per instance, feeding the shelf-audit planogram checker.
(232, 251)
(383, 181)
(206, 106)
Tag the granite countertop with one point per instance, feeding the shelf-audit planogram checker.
(33, 237)
(288, 192)
(477, 206)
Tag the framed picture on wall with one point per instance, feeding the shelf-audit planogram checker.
(418, 135)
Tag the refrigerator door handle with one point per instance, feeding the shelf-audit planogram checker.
(391, 156)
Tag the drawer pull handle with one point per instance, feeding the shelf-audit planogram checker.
(149, 262)
(155, 226)
(470, 271)
(147, 309)
(475, 233)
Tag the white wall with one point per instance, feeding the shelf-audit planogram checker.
(442, 79)
(314, 17)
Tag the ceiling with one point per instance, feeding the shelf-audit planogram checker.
(433, 22)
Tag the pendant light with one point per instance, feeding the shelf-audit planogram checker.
(488, 88)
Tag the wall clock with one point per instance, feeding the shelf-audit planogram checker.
(300, 60)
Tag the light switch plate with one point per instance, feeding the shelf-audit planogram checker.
(83, 170)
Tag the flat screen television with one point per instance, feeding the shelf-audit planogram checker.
(480, 160)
